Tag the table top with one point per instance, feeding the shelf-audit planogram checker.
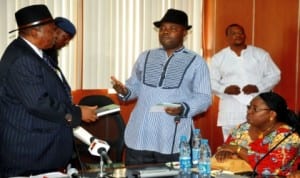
(148, 171)
(152, 170)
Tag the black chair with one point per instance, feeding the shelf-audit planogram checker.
(109, 127)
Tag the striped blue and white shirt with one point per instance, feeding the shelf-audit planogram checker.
(156, 78)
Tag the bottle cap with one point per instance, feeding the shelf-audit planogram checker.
(196, 131)
(183, 138)
(204, 141)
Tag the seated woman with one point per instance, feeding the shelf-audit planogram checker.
(269, 121)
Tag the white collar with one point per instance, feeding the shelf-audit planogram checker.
(37, 50)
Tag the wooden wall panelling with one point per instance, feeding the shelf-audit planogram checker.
(297, 99)
(275, 29)
(270, 24)
(228, 12)
(218, 14)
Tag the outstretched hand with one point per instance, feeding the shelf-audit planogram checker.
(118, 86)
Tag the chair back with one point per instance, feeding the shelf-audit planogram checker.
(109, 127)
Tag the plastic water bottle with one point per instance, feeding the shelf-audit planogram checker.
(204, 166)
(184, 156)
(196, 142)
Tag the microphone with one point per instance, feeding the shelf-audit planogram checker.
(177, 119)
(87, 138)
(254, 173)
(73, 173)
(103, 153)
(97, 147)
(83, 135)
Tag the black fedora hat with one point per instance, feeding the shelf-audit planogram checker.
(174, 16)
(32, 16)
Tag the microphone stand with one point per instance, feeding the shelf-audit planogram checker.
(101, 173)
(177, 120)
(273, 148)
(103, 156)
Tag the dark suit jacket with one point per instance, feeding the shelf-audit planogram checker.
(34, 134)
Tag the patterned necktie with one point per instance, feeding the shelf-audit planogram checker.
(59, 73)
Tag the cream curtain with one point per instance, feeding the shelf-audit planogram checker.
(117, 31)
(111, 34)
(66, 8)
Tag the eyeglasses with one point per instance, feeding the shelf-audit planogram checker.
(255, 109)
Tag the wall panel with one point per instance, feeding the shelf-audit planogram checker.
(275, 29)
(232, 11)
(269, 24)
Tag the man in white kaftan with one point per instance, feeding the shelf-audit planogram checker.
(238, 73)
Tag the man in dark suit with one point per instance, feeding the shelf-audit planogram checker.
(36, 111)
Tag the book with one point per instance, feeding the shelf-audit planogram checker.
(108, 109)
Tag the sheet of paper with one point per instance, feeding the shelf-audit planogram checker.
(161, 107)
(51, 175)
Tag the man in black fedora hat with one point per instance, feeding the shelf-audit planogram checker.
(36, 110)
(171, 77)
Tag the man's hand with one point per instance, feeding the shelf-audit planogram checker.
(88, 113)
(118, 86)
(248, 89)
(232, 90)
(174, 111)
